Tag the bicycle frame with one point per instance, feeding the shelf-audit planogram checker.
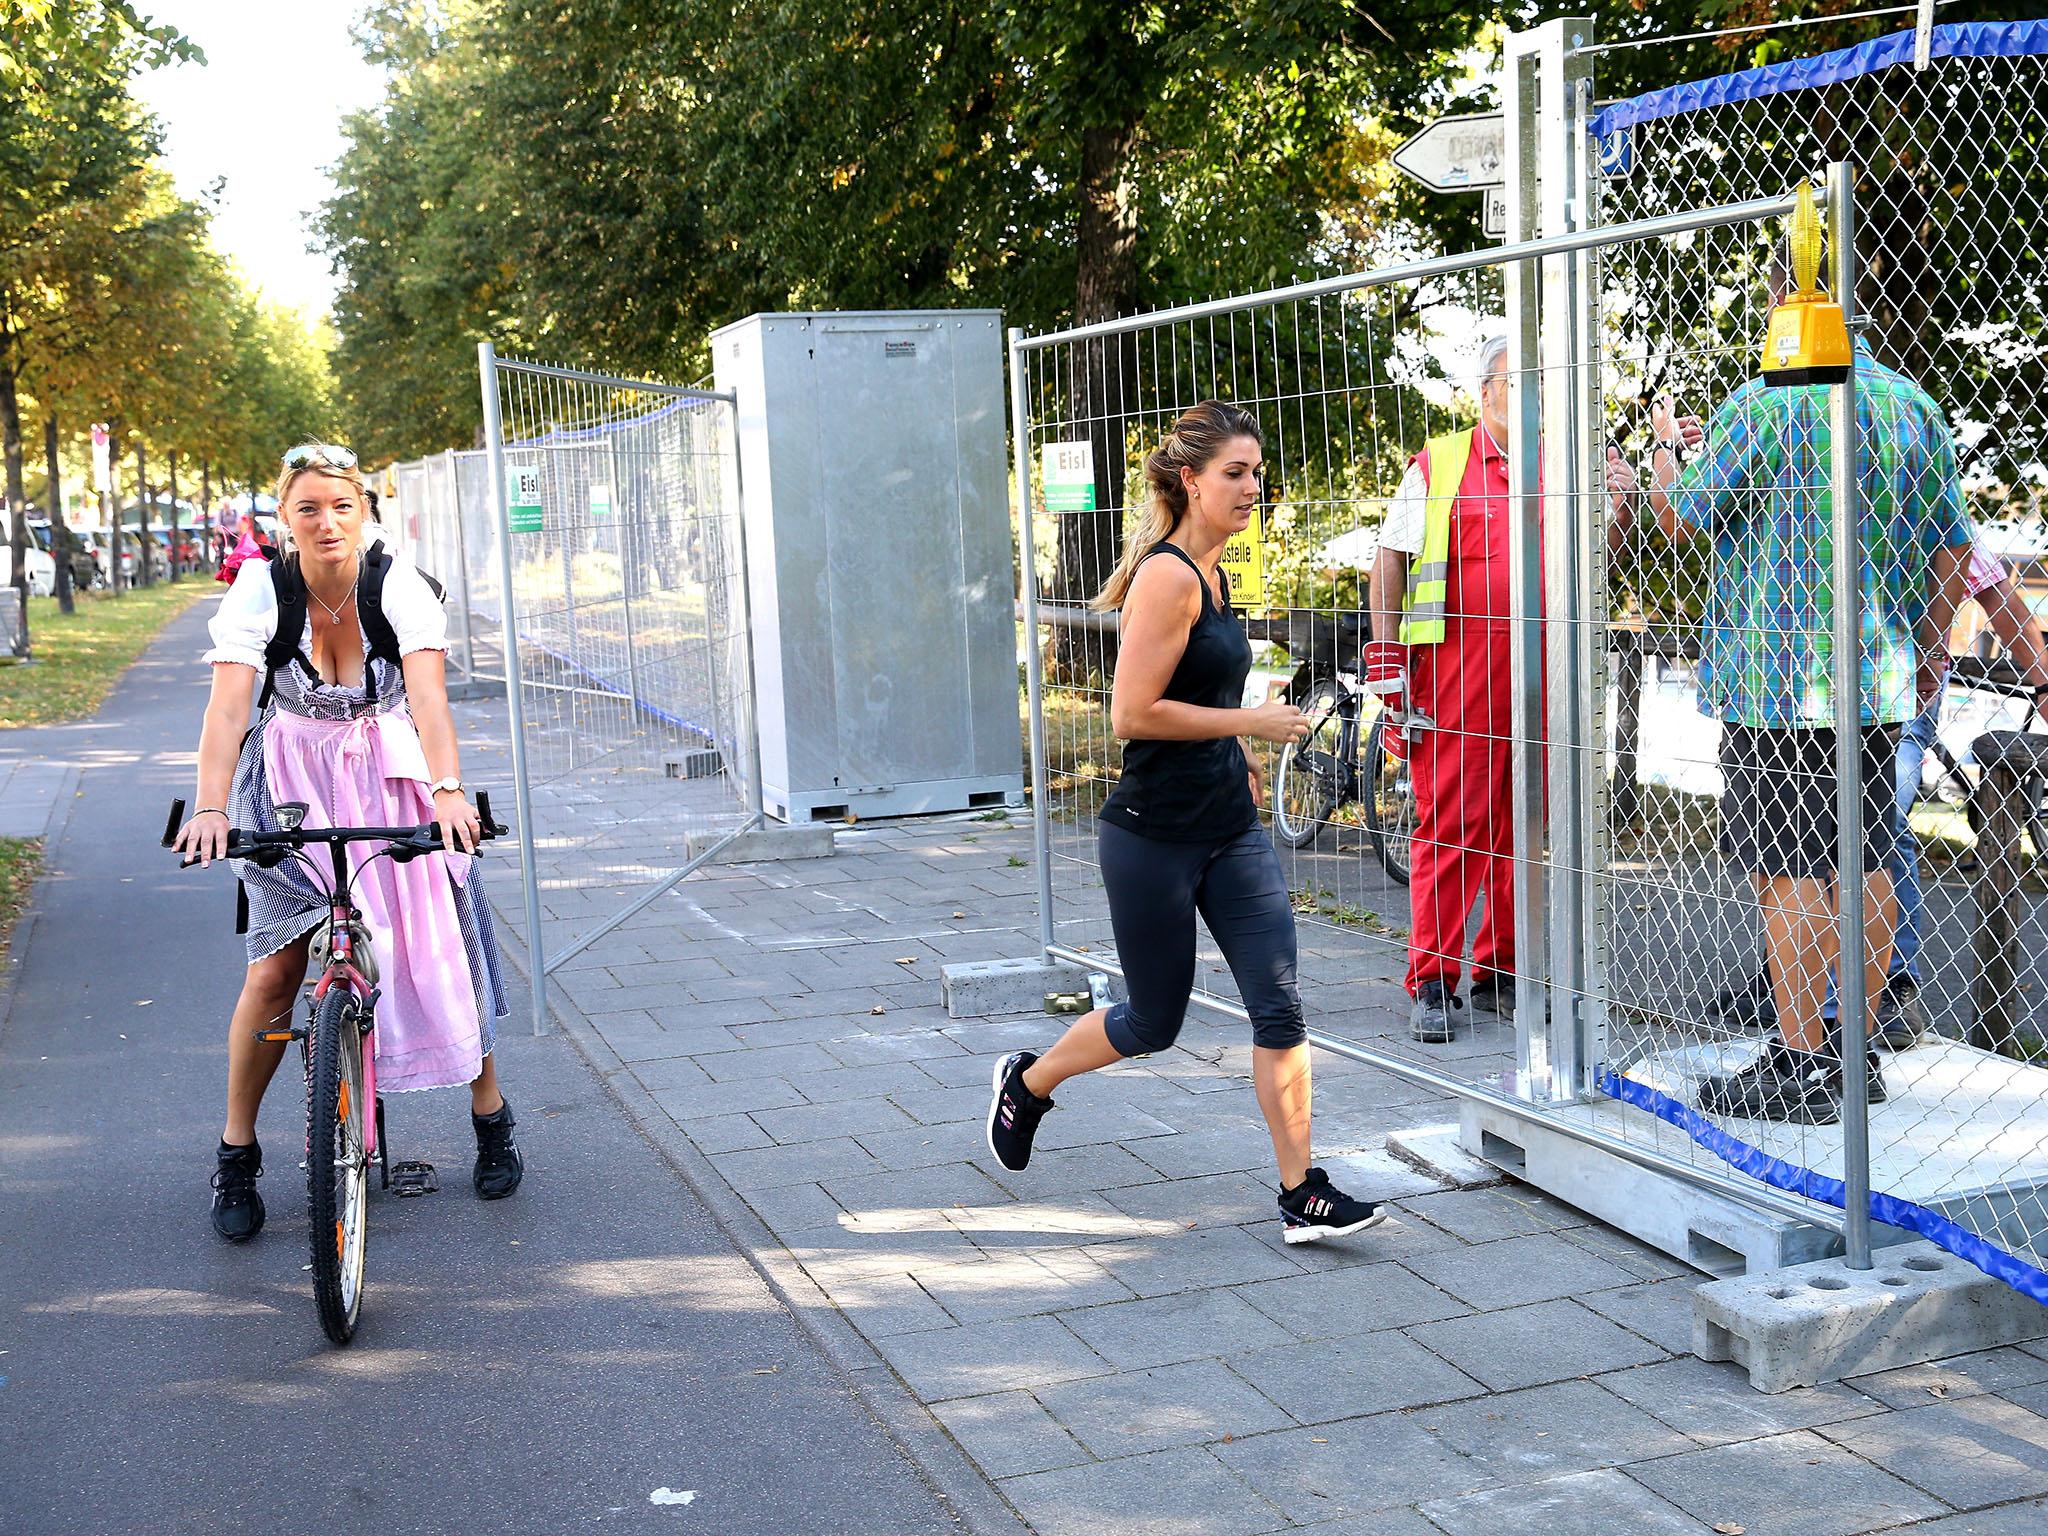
(342, 921)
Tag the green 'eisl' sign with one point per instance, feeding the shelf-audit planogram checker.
(1068, 474)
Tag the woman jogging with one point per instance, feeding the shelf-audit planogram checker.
(364, 740)
(1180, 835)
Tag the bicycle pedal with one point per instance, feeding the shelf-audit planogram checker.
(279, 1036)
(1066, 1002)
(414, 1178)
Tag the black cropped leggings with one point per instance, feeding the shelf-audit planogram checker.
(1155, 889)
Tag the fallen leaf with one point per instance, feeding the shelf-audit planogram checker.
(878, 1008)
(906, 959)
(959, 914)
(768, 1370)
(1318, 1440)
(1939, 1389)
(1729, 1528)
(145, 1002)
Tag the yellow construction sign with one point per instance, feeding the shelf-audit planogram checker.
(1244, 561)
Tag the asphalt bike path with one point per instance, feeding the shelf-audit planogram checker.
(548, 1363)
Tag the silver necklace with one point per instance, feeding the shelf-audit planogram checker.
(335, 613)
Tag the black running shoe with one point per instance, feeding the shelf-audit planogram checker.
(1744, 1009)
(1493, 993)
(1014, 1112)
(237, 1208)
(499, 1167)
(1436, 1015)
(1795, 1087)
(1900, 1019)
(1315, 1209)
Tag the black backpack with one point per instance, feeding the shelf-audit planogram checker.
(290, 589)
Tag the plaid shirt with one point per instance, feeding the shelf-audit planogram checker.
(1763, 491)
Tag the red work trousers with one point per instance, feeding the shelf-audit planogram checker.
(1464, 827)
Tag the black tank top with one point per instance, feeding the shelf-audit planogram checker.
(1192, 791)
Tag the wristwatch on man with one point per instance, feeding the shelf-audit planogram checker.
(446, 786)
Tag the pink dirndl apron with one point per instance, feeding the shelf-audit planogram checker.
(371, 771)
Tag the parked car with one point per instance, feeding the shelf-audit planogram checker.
(85, 570)
(42, 570)
(100, 540)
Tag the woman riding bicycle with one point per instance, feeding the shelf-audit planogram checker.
(362, 741)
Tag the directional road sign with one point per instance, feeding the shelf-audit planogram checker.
(1458, 154)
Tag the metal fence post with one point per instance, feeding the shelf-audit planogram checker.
(757, 805)
(1523, 283)
(515, 712)
(620, 522)
(452, 509)
(1850, 988)
(1034, 662)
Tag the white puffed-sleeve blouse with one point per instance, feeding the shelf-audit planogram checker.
(247, 617)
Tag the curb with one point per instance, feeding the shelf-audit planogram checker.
(923, 1442)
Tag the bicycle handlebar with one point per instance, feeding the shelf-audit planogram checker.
(424, 838)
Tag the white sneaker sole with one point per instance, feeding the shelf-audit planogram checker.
(1317, 1234)
(995, 1106)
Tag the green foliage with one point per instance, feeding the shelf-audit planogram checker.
(610, 180)
(114, 305)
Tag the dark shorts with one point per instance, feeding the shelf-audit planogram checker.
(1778, 799)
(1155, 890)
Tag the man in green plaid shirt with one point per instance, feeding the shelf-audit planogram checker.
(1762, 492)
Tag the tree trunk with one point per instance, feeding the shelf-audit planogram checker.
(175, 542)
(1105, 286)
(60, 533)
(144, 576)
(17, 490)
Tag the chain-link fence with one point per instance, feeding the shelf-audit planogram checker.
(624, 638)
(1706, 966)
(444, 517)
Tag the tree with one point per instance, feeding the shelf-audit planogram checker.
(71, 138)
(609, 180)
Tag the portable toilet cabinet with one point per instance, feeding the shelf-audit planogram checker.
(879, 569)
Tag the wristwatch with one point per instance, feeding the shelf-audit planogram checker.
(440, 786)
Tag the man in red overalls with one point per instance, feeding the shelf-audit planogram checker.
(1440, 585)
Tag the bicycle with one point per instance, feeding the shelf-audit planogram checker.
(1333, 768)
(1999, 678)
(335, 1044)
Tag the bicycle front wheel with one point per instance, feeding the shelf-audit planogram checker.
(337, 1166)
(1389, 803)
(1305, 779)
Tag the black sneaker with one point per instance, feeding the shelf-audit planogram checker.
(499, 1167)
(1315, 1209)
(1746, 1009)
(1795, 1087)
(237, 1208)
(1493, 993)
(1436, 1015)
(1014, 1112)
(1900, 1020)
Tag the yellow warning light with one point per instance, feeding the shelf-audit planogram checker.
(1807, 341)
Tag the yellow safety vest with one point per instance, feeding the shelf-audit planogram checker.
(1427, 595)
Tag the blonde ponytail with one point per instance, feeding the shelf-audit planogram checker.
(1202, 432)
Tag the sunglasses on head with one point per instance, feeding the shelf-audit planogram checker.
(312, 455)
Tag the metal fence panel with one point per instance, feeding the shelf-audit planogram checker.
(621, 594)
(1950, 179)
(1349, 379)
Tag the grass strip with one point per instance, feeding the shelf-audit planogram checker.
(78, 657)
(20, 858)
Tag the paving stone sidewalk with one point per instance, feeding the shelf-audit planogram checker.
(1119, 1339)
